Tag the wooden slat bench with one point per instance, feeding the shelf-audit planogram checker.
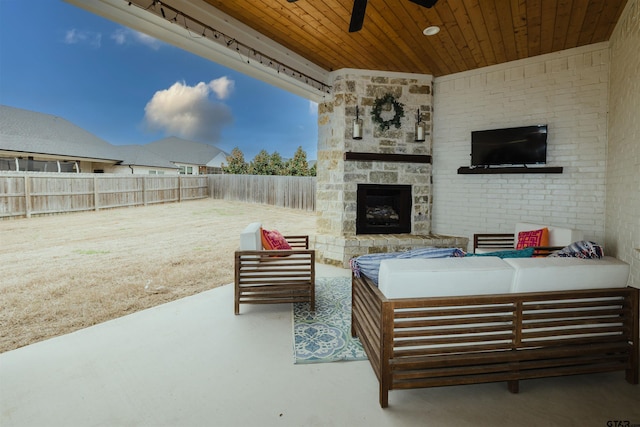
(442, 341)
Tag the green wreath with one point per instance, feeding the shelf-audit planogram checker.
(398, 109)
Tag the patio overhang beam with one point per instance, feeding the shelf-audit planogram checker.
(280, 67)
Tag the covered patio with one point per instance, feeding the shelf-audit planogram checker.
(192, 362)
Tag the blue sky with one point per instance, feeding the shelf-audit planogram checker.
(128, 88)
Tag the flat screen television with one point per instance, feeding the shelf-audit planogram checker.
(526, 145)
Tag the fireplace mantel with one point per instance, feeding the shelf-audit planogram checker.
(382, 157)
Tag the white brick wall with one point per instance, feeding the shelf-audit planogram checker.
(566, 90)
(623, 160)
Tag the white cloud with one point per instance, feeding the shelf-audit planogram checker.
(123, 36)
(313, 108)
(74, 36)
(119, 36)
(187, 111)
(222, 87)
(147, 40)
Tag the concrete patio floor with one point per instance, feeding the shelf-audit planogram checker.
(192, 362)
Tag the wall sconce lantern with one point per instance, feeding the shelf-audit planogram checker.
(421, 128)
(357, 125)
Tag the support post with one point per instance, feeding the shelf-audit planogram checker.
(27, 196)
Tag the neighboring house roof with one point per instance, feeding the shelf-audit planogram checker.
(38, 133)
(180, 150)
(218, 160)
(138, 155)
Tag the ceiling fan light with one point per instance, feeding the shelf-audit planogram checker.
(431, 31)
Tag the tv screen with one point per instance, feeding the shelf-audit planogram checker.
(525, 145)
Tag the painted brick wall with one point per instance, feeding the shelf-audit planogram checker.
(566, 90)
(623, 160)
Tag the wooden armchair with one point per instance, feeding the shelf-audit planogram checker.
(504, 242)
(274, 276)
(559, 237)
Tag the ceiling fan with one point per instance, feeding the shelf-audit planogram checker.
(359, 7)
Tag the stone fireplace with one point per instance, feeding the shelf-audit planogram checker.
(385, 176)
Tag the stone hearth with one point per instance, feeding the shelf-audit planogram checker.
(383, 157)
(339, 250)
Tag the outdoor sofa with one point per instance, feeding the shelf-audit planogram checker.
(453, 321)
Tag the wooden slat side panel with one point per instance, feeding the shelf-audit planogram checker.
(480, 326)
(571, 319)
(493, 241)
(366, 318)
(272, 277)
(548, 334)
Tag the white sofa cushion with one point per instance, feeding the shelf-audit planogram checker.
(250, 238)
(557, 274)
(415, 278)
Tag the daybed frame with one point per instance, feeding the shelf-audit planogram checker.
(429, 342)
(276, 277)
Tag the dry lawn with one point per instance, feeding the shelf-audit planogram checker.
(66, 272)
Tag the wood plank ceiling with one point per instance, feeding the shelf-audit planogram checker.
(474, 33)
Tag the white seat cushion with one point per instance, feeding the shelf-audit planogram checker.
(558, 274)
(436, 277)
(250, 238)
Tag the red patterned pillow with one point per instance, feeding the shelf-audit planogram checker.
(273, 240)
(526, 239)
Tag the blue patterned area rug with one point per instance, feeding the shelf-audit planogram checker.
(325, 336)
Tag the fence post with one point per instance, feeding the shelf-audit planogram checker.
(27, 196)
(179, 188)
(144, 190)
(95, 193)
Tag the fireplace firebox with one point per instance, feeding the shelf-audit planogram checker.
(383, 209)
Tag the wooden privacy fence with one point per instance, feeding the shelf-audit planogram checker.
(27, 194)
(295, 192)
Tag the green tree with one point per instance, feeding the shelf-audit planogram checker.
(260, 165)
(276, 164)
(237, 165)
(269, 164)
(313, 170)
(298, 165)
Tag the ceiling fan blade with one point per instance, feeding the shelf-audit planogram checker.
(425, 3)
(357, 15)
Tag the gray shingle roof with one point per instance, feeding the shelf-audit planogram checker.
(184, 151)
(32, 132)
(138, 155)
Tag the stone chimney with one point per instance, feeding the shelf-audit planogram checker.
(383, 156)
